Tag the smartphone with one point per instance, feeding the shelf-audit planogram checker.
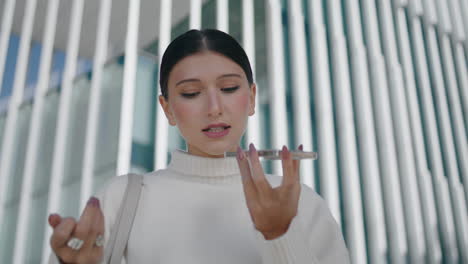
(275, 154)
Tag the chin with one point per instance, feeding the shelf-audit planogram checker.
(218, 150)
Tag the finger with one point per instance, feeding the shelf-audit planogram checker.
(83, 227)
(54, 220)
(96, 228)
(297, 164)
(247, 182)
(289, 179)
(62, 233)
(258, 176)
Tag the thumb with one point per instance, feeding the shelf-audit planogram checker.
(54, 220)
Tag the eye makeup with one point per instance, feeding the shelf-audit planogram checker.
(230, 89)
(225, 90)
(189, 95)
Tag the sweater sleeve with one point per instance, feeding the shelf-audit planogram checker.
(111, 196)
(313, 236)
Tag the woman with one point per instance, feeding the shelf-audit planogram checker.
(205, 208)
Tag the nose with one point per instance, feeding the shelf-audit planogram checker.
(214, 104)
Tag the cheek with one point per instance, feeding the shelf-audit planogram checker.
(184, 112)
(240, 103)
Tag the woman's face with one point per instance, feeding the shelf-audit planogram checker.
(206, 89)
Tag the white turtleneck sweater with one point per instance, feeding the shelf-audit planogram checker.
(195, 212)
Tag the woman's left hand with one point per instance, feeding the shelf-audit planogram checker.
(271, 209)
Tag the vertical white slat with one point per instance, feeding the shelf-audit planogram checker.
(63, 120)
(399, 107)
(462, 74)
(222, 15)
(195, 14)
(425, 184)
(396, 229)
(456, 112)
(300, 93)
(7, 150)
(248, 39)
(32, 152)
(444, 22)
(430, 14)
(464, 11)
(459, 142)
(277, 79)
(446, 136)
(350, 181)
(415, 8)
(461, 197)
(444, 209)
(457, 22)
(92, 125)
(7, 21)
(327, 162)
(128, 89)
(400, 3)
(369, 164)
(445, 200)
(161, 131)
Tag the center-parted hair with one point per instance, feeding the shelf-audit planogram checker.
(195, 41)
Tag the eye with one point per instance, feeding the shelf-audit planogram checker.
(190, 95)
(230, 89)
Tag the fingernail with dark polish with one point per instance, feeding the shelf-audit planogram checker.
(252, 148)
(50, 217)
(284, 152)
(93, 201)
(301, 147)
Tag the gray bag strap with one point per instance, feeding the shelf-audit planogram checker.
(123, 224)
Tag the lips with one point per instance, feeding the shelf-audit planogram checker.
(223, 125)
(217, 131)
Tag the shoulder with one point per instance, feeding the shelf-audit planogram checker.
(111, 193)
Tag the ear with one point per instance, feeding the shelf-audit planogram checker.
(253, 93)
(167, 111)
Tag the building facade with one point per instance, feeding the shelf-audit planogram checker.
(378, 88)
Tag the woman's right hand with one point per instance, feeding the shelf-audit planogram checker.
(87, 229)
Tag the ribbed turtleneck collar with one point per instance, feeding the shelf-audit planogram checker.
(185, 163)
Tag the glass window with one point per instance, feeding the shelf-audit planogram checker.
(108, 124)
(75, 147)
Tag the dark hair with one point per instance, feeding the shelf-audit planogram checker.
(194, 41)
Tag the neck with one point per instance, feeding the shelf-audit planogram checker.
(192, 150)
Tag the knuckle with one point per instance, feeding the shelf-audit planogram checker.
(255, 162)
(268, 205)
(67, 257)
(256, 178)
(244, 170)
(69, 222)
(94, 229)
(81, 232)
(53, 243)
(290, 184)
(256, 208)
(60, 234)
(82, 258)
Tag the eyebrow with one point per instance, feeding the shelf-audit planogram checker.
(197, 80)
(187, 80)
(229, 75)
